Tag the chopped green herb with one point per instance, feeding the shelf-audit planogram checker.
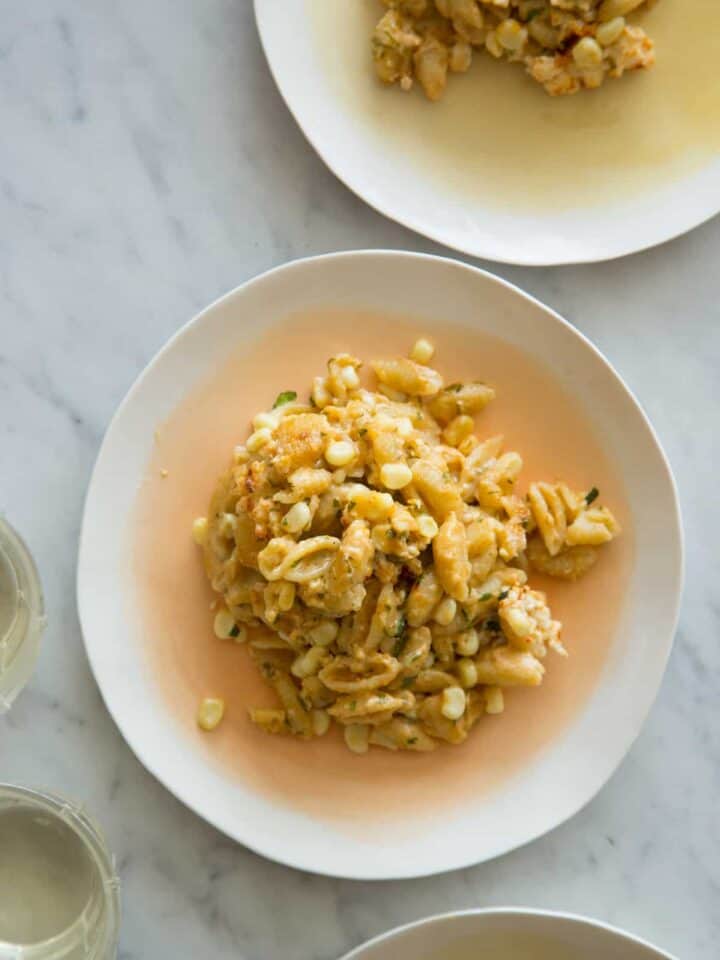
(592, 495)
(533, 13)
(362, 431)
(287, 396)
(400, 626)
(455, 387)
(492, 624)
(235, 632)
(485, 597)
(391, 532)
(411, 740)
(336, 502)
(503, 594)
(408, 682)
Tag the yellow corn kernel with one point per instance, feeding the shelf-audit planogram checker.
(519, 622)
(610, 9)
(240, 454)
(307, 664)
(467, 673)
(467, 643)
(258, 439)
(210, 713)
(453, 702)
(357, 737)
(264, 420)
(458, 429)
(492, 45)
(395, 476)
(298, 518)
(607, 33)
(350, 378)
(200, 530)
(323, 634)
(445, 611)
(460, 60)
(339, 453)
(511, 35)
(320, 719)
(427, 526)
(224, 625)
(494, 700)
(422, 351)
(587, 53)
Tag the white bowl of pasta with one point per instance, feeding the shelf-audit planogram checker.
(510, 933)
(377, 547)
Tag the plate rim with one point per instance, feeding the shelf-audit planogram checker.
(246, 837)
(356, 953)
(673, 233)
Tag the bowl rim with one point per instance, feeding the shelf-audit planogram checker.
(247, 836)
(672, 232)
(357, 952)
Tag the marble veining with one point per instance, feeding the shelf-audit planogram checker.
(147, 165)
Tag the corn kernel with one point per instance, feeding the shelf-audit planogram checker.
(307, 664)
(320, 720)
(357, 737)
(210, 713)
(520, 623)
(467, 673)
(460, 60)
(492, 45)
(427, 526)
(262, 420)
(339, 453)
(422, 351)
(395, 476)
(467, 643)
(240, 454)
(445, 611)
(494, 700)
(258, 439)
(511, 35)
(617, 8)
(200, 530)
(458, 429)
(607, 33)
(323, 634)
(298, 518)
(224, 625)
(453, 702)
(587, 53)
(350, 378)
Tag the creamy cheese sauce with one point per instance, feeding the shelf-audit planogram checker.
(174, 599)
(497, 136)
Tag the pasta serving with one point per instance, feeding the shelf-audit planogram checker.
(565, 45)
(371, 550)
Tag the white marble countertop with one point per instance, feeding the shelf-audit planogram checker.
(147, 165)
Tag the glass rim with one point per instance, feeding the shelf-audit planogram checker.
(17, 668)
(107, 911)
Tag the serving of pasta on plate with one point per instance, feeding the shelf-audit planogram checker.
(373, 552)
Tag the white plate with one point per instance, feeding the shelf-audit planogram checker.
(417, 177)
(506, 934)
(577, 764)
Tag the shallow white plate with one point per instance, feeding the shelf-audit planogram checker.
(576, 765)
(402, 157)
(506, 934)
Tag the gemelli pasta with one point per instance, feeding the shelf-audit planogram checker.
(565, 45)
(372, 551)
